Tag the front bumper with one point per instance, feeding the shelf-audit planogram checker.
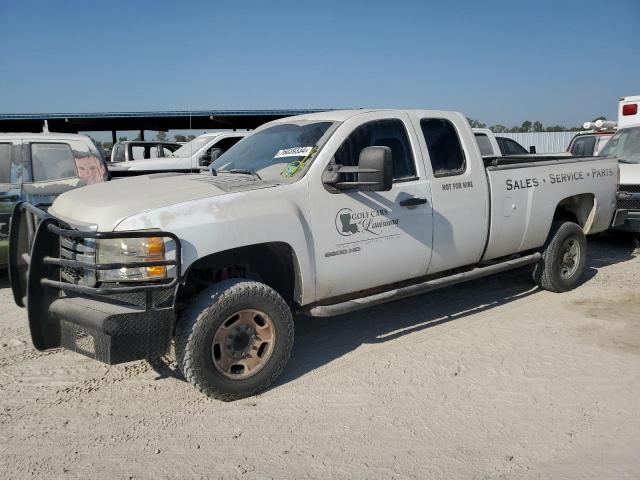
(626, 221)
(110, 332)
(111, 323)
(627, 216)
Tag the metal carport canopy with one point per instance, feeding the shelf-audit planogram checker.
(156, 120)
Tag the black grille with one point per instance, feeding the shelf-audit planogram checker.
(72, 249)
(629, 204)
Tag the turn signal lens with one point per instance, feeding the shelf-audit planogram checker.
(157, 272)
(155, 247)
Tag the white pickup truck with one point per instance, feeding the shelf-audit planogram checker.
(493, 146)
(320, 214)
(192, 157)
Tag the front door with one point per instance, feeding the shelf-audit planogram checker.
(363, 239)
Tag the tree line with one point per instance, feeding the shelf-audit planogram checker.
(527, 126)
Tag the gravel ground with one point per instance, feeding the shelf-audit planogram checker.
(488, 380)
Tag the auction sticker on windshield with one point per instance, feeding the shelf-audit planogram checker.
(293, 152)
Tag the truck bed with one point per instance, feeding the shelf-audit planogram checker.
(522, 161)
(525, 193)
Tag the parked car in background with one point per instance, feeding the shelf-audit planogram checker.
(593, 139)
(37, 167)
(509, 146)
(128, 151)
(625, 146)
(493, 146)
(193, 156)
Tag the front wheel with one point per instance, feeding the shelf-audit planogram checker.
(564, 257)
(234, 339)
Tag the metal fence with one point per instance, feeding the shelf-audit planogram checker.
(545, 142)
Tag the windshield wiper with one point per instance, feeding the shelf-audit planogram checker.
(244, 171)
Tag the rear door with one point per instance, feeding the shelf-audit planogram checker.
(459, 189)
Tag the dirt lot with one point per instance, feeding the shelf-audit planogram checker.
(492, 379)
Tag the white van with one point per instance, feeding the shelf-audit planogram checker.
(629, 111)
(625, 146)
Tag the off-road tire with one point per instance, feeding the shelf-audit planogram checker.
(199, 322)
(547, 272)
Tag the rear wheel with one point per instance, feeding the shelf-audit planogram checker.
(563, 259)
(235, 339)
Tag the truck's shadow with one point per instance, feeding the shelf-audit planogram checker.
(319, 341)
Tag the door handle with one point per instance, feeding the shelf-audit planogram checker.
(8, 197)
(412, 201)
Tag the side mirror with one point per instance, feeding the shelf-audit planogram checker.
(532, 149)
(374, 172)
(375, 169)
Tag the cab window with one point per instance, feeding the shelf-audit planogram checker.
(52, 161)
(139, 152)
(226, 143)
(484, 144)
(445, 151)
(169, 149)
(583, 146)
(382, 133)
(510, 147)
(118, 153)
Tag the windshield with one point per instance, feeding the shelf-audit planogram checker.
(277, 153)
(624, 145)
(191, 147)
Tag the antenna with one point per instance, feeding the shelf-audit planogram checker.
(190, 134)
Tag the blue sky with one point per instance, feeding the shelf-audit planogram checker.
(560, 62)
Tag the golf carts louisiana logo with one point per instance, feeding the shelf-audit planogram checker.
(350, 223)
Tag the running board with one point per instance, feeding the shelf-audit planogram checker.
(417, 289)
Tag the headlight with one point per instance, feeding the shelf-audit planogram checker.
(131, 250)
